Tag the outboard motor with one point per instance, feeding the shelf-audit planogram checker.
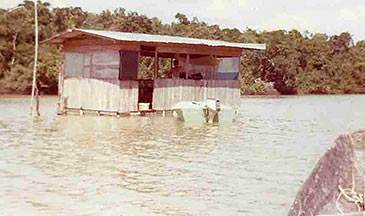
(213, 104)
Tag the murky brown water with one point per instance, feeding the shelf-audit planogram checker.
(71, 165)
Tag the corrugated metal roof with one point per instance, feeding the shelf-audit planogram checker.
(126, 36)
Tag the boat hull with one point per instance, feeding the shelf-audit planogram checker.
(194, 112)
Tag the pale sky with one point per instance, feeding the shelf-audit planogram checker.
(325, 16)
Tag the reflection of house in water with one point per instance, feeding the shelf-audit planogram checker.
(140, 134)
(101, 71)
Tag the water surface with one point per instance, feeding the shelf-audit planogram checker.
(72, 165)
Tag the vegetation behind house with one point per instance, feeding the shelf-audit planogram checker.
(294, 62)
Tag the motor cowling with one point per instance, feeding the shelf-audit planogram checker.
(214, 104)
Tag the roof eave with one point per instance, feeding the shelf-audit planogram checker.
(56, 39)
(60, 38)
(254, 46)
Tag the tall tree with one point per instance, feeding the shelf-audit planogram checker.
(295, 63)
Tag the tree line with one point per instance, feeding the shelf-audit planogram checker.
(293, 63)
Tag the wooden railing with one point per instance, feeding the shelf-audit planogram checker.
(168, 92)
(101, 94)
(122, 96)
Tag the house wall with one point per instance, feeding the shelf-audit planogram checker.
(91, 82)
(101, 94)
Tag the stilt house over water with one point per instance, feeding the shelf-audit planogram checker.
(102, 71)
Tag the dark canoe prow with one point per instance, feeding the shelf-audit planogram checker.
(341, 165)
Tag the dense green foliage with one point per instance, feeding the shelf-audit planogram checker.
(294, 63)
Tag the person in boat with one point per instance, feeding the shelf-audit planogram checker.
(176, 71)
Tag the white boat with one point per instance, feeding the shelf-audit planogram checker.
(208, 111)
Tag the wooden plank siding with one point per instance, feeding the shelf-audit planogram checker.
(101, 94)
(87, 45)
(122, 96)
(167, 92)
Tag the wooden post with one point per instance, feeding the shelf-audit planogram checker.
(188, 63)
(59, 84)
(239, 69)
(363, 196)
(37, 101)
(91, 73)
(215, 69)
(139, 60)
(156, 65)
(35, 57)
(61, 99)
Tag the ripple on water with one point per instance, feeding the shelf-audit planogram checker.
(59, 165)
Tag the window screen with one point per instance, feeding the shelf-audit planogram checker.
(74, 64)
(228, 68)
(105, 64)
